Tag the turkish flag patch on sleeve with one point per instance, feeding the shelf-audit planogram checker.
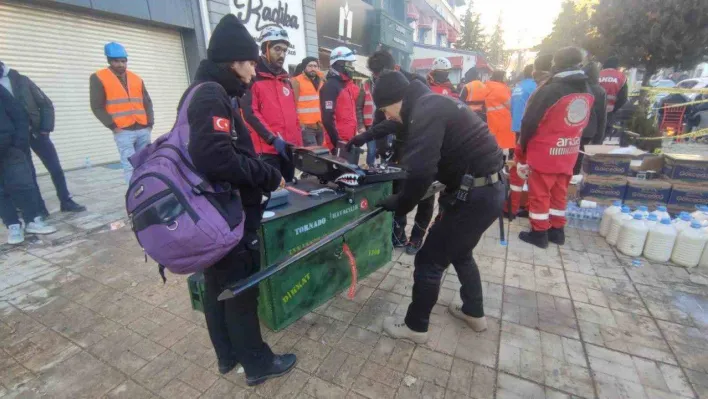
(222, 124)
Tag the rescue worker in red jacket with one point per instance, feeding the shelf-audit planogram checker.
(438, 78)
(549, 143)
(269, 106)
(338, 98)
(615, 84)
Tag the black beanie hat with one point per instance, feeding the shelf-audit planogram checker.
(568, 58)
(389, 88)
(308, 60)
(231, 41)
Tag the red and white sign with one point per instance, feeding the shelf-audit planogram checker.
(222, 124)
(364, 204)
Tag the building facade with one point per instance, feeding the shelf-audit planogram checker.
(59, 44)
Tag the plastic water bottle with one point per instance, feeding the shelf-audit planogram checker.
(571, 215)
(689, 246)
(595, 219)
(661, 213)
(660, 241)
(632, 237)
(607, 217)
(87, 163)
(651, 221)
(617, 222)
(701, 214)
(682, 222)
(643, 211)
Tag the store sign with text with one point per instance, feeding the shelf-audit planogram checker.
(345, 23)
(287, 14)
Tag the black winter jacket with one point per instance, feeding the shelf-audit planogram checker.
(14, 124)
(37, 105)
(227, 157)
(444, 141)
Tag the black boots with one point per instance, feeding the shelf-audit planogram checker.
(413, 246)
(537, 238)
(226, 365)
(281, 365)
(556, 236)
(71, 206)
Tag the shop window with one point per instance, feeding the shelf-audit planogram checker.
(421, 35)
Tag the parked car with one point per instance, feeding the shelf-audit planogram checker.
(661, 83)
(696, 83)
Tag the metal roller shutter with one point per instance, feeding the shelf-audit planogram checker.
(59, 51)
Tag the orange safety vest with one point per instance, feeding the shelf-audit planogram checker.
(499, 114)
(368, 105)
(126, 108)
(308, 101)
(476, 94)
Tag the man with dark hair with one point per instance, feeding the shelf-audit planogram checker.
(306, 87)
(447, 142)
(615, 84)
(542, 66)
(474, 94)
(551, 132)
(40, 110)
(384, 130)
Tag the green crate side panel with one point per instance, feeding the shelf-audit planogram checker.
(289, 235)
(195, 284)
(307, 284)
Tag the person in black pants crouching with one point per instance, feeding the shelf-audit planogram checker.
(448, 142)
(222, 151)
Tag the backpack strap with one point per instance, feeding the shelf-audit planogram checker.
(182, 114)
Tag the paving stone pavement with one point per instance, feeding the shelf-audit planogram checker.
(83, 316)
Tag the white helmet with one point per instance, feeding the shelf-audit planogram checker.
(441, 64)
(274, 34)
(341, 54)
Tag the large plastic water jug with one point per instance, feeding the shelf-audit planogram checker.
(689, 246)
(682, 222)
(701, 214)
(632, 237)
(661, 213)
(652, 221)
(703, 263)
(660, 241)
(642, 210)
(617, 221)
(607, 217)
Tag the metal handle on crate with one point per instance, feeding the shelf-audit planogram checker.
(250, 282)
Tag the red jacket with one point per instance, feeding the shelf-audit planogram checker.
(553, 124)
(270, 110)
(445, 89)
(612, 81)
(338, 104)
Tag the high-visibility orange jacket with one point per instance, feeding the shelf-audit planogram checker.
(498, 103)
(125, 107)
(474, 94)
(308, 99)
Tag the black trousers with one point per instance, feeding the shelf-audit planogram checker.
(423, 216)
(451, 239)
(233, 324)
(43, 147)
(17, 188)
(286, 168)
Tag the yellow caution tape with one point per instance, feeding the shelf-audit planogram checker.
(673, 90)
(696, 134)
(683, 104)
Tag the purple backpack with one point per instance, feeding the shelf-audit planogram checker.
(180, 219)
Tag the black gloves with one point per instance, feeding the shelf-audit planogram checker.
(357, 141)
(389, 203)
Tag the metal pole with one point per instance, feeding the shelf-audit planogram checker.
(253, 280)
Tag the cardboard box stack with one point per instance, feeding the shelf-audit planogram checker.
(605, 173)
(688, 175)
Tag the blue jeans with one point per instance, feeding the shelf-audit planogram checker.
(371, 152)
(129, 142)
(17, 188)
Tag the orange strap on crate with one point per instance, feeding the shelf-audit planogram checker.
(352, 265)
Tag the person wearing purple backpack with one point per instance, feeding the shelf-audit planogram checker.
(222, 151)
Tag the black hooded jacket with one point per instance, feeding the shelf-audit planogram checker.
(595, 130)
(555, 88)
(445, 140)
(221, 156)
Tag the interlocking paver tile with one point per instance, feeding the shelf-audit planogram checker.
(542, 311)
(543, 279)
(617, 372)
(198, 377)
(293, 383)
(546, 358)
(490, 268)
(42, 350)
(393, 353)
(689, 343)
(625, 332)
(676, 306)
(196, 347)
(321, 389)
(129, 390)
(126, 350)
(699, 381)
(178, 389)
(605, 292)
(160, 371)
(480, 348)
(12, 373)
(510, 387)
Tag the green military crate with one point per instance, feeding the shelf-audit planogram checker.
(300, 288)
